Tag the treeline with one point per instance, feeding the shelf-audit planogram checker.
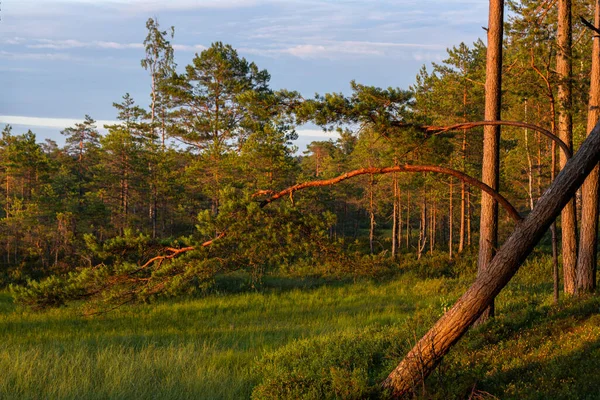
(217, 140)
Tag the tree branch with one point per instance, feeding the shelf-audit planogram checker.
(471, 125)
(399, 168)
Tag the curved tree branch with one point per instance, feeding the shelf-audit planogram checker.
(471, 125)
(348, 175)
(399, 168)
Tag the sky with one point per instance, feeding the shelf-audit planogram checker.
(63, 59)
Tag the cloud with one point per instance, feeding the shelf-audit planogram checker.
(68, 44)
(60, 123)
(74, 44)
(13, 41)
(37, 56)
(186, 47)
(337, 49)
(318, 133)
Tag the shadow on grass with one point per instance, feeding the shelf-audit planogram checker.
(538, 352)
(570, 376)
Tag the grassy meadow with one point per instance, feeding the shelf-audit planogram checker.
(302, 338)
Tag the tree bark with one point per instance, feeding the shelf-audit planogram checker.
(488, 228)
(586, 261)
(422, 227)
(430, 350)
(469, 213)
(395, 217)
(565, 132)
(371, 217)
(451, 221)
(408, 221)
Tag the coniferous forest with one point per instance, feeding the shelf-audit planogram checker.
(192, 250)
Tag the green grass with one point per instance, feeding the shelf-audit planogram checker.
(225, 346)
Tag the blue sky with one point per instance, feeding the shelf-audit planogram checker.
(62, 59)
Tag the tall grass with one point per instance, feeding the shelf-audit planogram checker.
(202, 348)
(304, 340)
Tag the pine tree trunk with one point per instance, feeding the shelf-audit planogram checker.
(469, 213)
(488, 228)
(395, 217)
(400, 224)
(408, 220)
(586, 261)
(429, 351)
(529, 164)
(371, 217)
(422, 228)
(463, 197)
(450, 221)
(565, 132)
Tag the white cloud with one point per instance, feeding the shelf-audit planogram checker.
(36, 56)
(115, 45)
(14, 40)
(186, 47)
(318, 133)
(73, 44)
(335, 49)
(60, 123)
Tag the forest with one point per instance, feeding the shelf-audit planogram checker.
(201, 207)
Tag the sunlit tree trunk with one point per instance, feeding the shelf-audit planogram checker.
(488, 229)
(451, 221)
(431, 348)
(565, 132)
(586, 261)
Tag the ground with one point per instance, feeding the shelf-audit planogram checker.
(303, 338)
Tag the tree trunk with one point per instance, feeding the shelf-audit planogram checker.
(395, 216)
(469, 213)
(422, 227)
(463, 197)
(586, 261)
(565, 132)
(488, 228)
(529, 164)
(399, 237)
(433, 228)
(371, 217)
(408, 220)
(450, 221)
(430, 350)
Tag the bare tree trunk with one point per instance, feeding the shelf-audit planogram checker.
(430, 349)
(395, 217)
(469, 213)
(371, 217)
(488, 229)
(433, 228)
(463, 196)
(565, 132)
(408, 220)
(529, 164)
(450, 220)
(539, 166)
(422, 227)
(586, 260)
(553, 230)
(399, 237)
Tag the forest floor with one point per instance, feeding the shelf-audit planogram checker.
(304, 338)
